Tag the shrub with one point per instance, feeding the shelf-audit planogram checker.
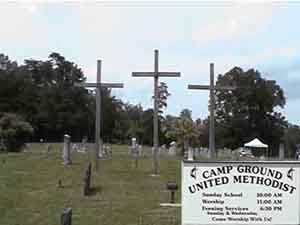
(13, 131)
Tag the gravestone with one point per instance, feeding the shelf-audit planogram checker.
(83, 147)
(204, 152)
(246, 154)
(297, 152)
(190, 156)
(2, 145)
(66, 217)
(75, 147)
(172, 149)
(26, 147)
(163, 149)
(67, 150)
(106, 151)
(87, 180)
(140, 150)
(196, 153)
(281, 151)
(100, 151)
(135, 151)
(49, 148)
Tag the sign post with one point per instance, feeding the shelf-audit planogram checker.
(240, 192)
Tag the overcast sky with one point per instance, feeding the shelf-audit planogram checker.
(189, 36)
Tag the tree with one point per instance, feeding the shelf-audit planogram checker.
(249, 111)
(6, 64)
(163, 95)
(13, 131)
(183, 129)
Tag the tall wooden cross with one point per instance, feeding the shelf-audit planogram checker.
(211, 88)
(98, 85)
(156, 74)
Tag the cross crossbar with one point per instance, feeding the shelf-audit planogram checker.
(208, 87)
(105, 85)
(152, 74)
(198, 87)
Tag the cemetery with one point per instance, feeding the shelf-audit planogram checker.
(99, 182)
(144, 149)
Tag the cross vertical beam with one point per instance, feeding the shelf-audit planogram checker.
(156, 74)
(212, 146)
(98, 85)
(155, 116)
(98, 141)
(212, 105)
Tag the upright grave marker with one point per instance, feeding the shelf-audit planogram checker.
(211, 88)
(66, 217)
(98, 85)
(67, 150)
(156, 74)
(234, 192)
(87, 180)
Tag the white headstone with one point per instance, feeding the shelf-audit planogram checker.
(82, 148)
(172, 149)
(134, 148)
(140, 150)
(75, 147)
(67, 150)
(190, 154)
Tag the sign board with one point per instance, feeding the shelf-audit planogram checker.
(240, 192)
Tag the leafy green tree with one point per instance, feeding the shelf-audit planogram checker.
(163, 95)
(249, 111)
(183, 129)
(13, 131)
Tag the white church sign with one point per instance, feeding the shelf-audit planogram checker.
(240, 193)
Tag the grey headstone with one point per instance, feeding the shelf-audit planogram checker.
(281, 151)
(67, 150)
(87, 180)
(49, 148)
(66, 217)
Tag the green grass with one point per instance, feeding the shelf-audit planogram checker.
(29, 193)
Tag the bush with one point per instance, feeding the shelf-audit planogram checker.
(13, 131)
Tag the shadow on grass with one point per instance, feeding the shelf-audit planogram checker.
(95, 190)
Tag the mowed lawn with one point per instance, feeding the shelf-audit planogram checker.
(29, 193)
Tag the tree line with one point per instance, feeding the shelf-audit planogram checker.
(43, 94)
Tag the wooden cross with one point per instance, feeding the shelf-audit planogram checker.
(156, 74)
(98, 85)
(211, 88)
